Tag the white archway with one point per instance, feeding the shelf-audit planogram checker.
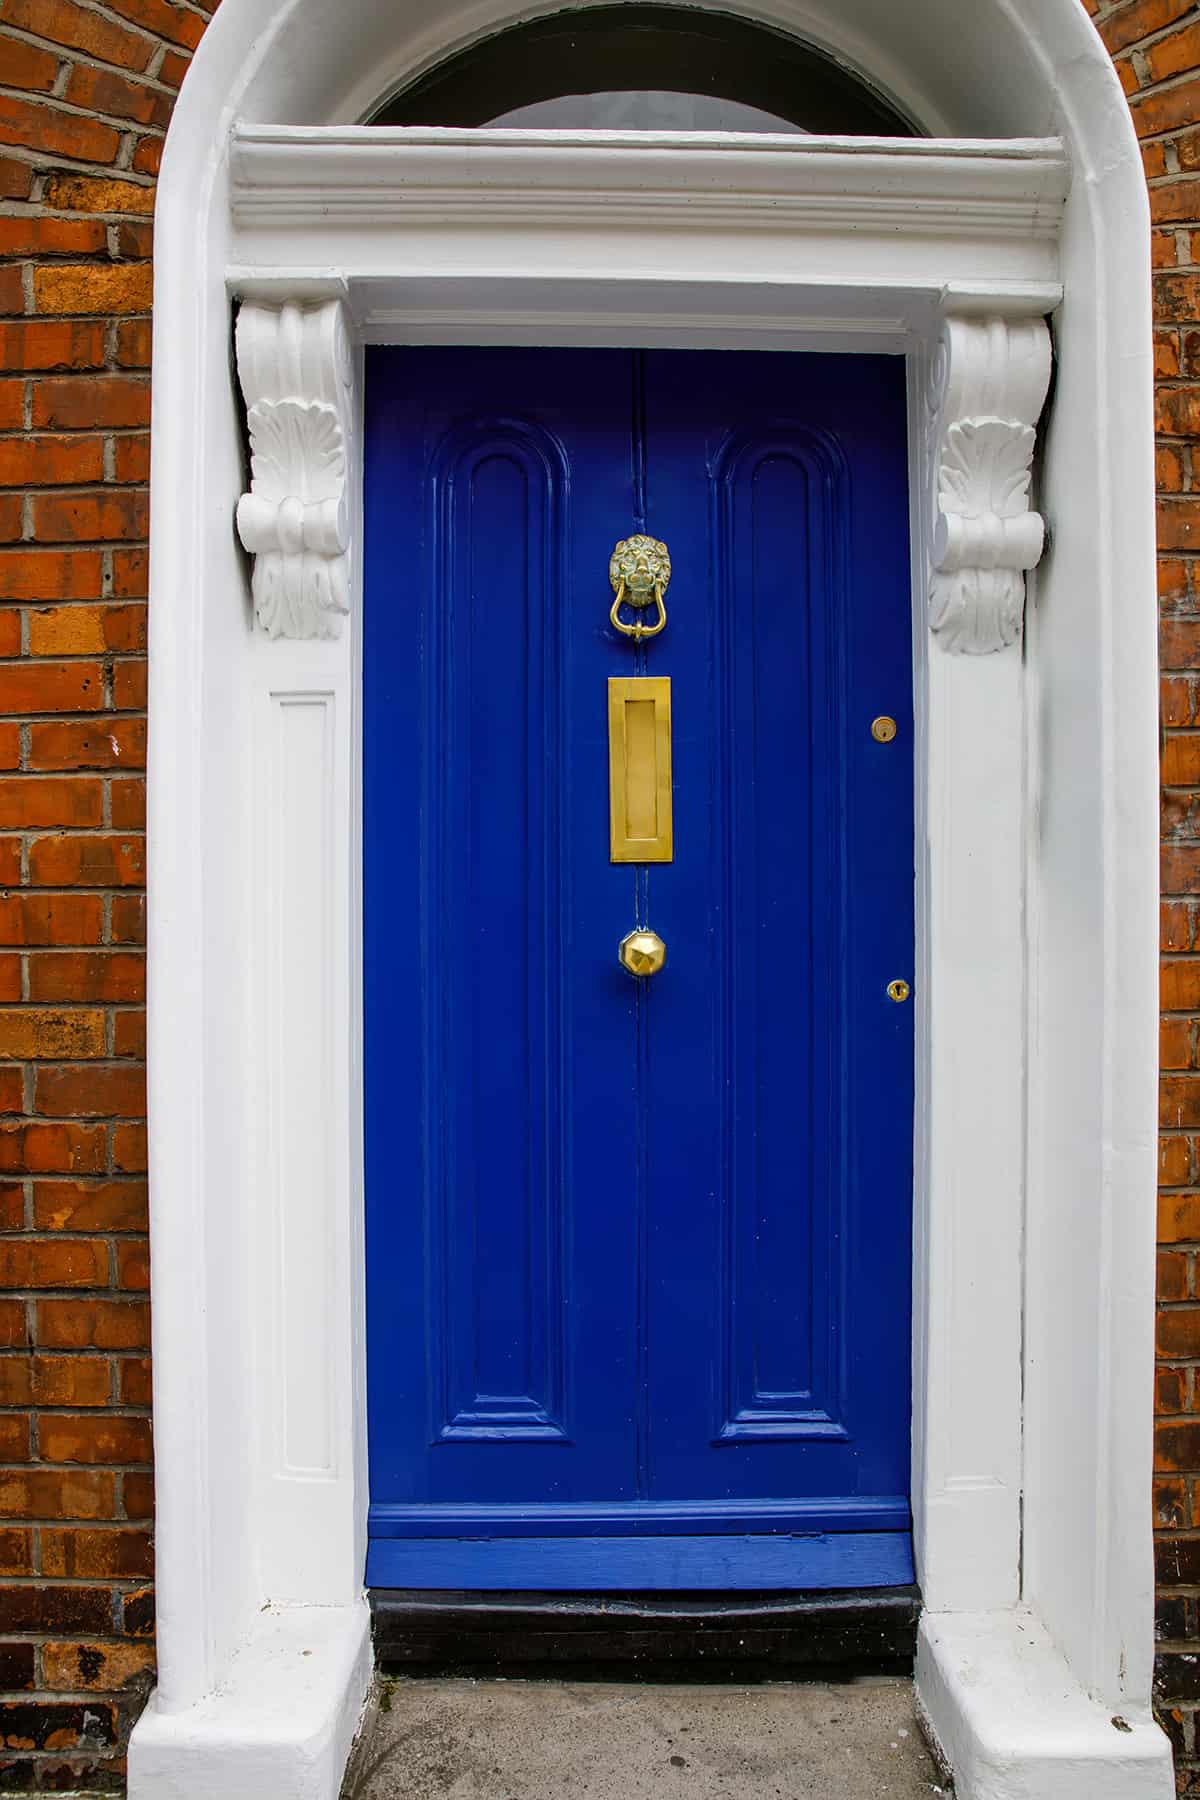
(1047, 1534)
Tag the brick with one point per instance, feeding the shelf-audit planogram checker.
(136, 1385)
(16, 179)
(81, 1553)
(1164, 110)
(14, 1430)
(129, 1033)
(75, 975)
(37, 919)
(133, 1265)
(14, 1324)
(1178, 1218)
(10, 862)
(36, 1493)
(107, 402)
(1179, 984)
(1178, 1334)
(55, 1381)
(131, 572)
(139, 1495)
(92, 287)
(27, 66)
(84, 1323)
(77, 1668)
(48, 1608)
(33, 1033)
(45, 1148)
(1177, 298)
(131, 458)
(1179, 525)
(1180, 870)
(128, 802)
(1127, 24)
(11, 1080)
(84, 1091)
(57, 133)
(88, 744)
(98, 513)
(86, 630)
(50, 687)
(78, 28)
(16, 1666)
(95, 1206)
(1175, 925)
(12, 405)
(147, 158)
(36, 345)
(137, 1613)
(1177, 1447)
(173, 68)
(1175, 1043)
(92, 1439)
(162, 17)
(104, 91)
(129, 686)
(32, 235)
(133, 344)
(99, 194)
(129, 1149)
(1166, 354)
(47, 800)
(128, 917)
(16, 1551)
(53, 1263)
(57, 1725)
(12, 290)
(1179, 1102)
(1169, 469)
(50, 461)
(1176, 54)
(49, 575)
(88, 861)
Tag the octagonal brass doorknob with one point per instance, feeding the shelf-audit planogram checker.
(642, 952)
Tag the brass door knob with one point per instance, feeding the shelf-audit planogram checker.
(642, 952)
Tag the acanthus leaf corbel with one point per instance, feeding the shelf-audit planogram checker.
(295, 367)
(987, 389)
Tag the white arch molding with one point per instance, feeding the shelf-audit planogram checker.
(1036, 978)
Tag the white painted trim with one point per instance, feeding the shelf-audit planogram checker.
(1036, 854)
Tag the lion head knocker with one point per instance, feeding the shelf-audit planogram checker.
(639, 572)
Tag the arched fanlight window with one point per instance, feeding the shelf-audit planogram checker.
(646, 68)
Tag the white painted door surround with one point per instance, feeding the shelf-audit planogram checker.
(1036, 977)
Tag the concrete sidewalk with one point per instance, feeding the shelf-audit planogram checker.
(532, 1740)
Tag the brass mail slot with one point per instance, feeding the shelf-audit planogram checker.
(639, 768)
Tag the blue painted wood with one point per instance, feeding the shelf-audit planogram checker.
(884, 1512)
(846, 1559)
(637, 1253)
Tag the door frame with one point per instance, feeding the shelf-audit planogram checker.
(952, 254)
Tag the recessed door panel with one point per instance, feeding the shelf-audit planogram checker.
(638, 1246)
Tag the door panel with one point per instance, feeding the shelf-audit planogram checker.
(498, 1060)
(638, 1252)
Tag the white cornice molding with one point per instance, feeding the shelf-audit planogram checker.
(296, 372)
(987, 387)
(362, 176)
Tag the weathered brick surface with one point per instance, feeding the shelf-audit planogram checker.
(86, 90)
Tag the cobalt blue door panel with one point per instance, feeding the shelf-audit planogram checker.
(638, 1252)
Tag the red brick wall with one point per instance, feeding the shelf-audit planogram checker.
(85, 93)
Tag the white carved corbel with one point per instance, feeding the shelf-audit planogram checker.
(988, 385)
(296, 371)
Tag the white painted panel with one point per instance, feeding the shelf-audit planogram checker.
(298, 924)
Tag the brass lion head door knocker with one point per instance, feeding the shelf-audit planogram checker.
(639, 572)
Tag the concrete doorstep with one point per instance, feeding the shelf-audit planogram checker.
(546, 1740)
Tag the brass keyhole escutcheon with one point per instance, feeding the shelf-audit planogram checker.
(898, 990)
(642, 952)
(883, 729)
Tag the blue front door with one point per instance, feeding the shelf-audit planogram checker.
(638, 1251)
